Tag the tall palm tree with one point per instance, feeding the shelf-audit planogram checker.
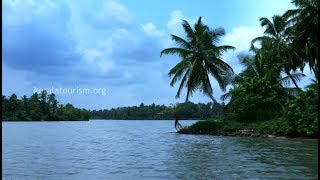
(277, 42)
(200, 57)
(304, 21)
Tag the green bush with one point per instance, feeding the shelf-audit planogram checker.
(302, 112)
(256, 99)
(206, 126)
(230, 126)
(278, 126)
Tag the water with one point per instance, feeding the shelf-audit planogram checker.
(147, 150)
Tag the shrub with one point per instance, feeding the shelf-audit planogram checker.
(302, 112)
(230, 126)
(256, 99)
(278, 126)
(206, 126)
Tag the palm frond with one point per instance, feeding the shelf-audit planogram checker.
(181, 42)
(226, 96)
(220, 49)
(270, 29)
(287, 80)
(216, 34)
(188, 30)
(178, 51)
(183, 83)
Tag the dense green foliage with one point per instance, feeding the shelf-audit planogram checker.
(302, 112)
(207, 126)
(297, 117)
(304, 31)
(256, 99)
(187, 110)
(43, 107)
(278, 126)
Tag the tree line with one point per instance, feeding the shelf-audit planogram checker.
(39, 107)
(187, 110)
(45, 107)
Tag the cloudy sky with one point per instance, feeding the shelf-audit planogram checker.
(115, 44)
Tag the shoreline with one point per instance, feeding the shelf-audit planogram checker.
(243, 133)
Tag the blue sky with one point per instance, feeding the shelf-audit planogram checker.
(115, 44)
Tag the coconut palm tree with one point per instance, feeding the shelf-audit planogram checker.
(200, 57)
(277, 42)
(258, 64)
(304, 21)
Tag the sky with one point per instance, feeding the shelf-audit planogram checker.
(112, 47)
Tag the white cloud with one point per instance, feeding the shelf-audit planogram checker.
(151, 29)
(17, 12)
(113, 11)
(120, 34)
(240, 37)
(174, 24)
(105, 65)
(94, 43)
(92, 54)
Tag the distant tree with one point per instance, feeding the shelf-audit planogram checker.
(188, 110)
(4, 106)
(25, 108)
(35, 112)
(53, 106)
(44, 105)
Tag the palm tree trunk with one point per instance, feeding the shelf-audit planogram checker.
(177, 125)
(188, 93)
(213, 99)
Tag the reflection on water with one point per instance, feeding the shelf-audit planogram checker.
(147, 150)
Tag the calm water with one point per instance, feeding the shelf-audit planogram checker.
(147, 150)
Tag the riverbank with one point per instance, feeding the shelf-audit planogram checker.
(276, 128)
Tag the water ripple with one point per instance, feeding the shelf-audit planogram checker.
(147, 150)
